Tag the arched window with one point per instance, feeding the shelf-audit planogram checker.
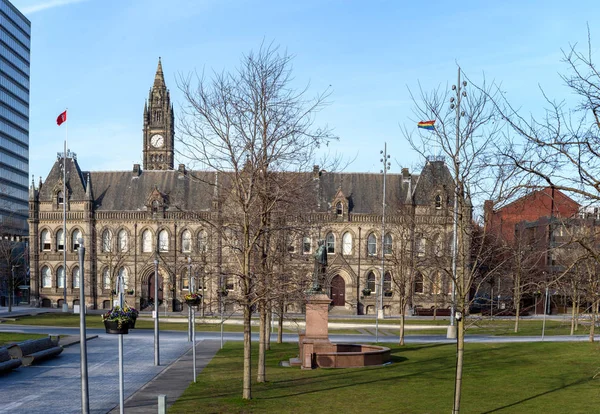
(330, 243)
(45, 240)
(339, 209)
(347, 244)
(125, 275)
(75, 237)
(202, 241)
(421, 246)
(106, 279)
(306, 245)
(106, 241)
(60, 198)
(436, 283)
(155, 206)
(387, 244)
(372, 245)
(438, 202)
(76, 278)
(60, 277)
(123, 238)
(60, 240)
(185, 280)
(371, 281)
(387, 282)
(163, 241)
(46, 277)
(146, 241)
(186, 241)
(418, 283)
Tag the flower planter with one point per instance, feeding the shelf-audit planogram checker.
(193, 302)
(112, 327)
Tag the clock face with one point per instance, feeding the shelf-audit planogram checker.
(157, 140)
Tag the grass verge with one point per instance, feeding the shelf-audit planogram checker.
(506, 378)
(10, 337)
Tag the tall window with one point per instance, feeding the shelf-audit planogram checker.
(106, 241)
(387, 282)
(202, 241)
(372, 245)
(125, 275)
(60, 198)
(185, 279)
(421, 246)
(339, 209)
(229, 283)
(155, 207)
(46, 277)
(60, 240)
(146, 241)
(347, 244)
(387, 244)
(186, 241)
(438, 202)
(60, 277)
(76, 278)
(418, 283)
(45, 240)
(371, 281)
(163, 241)
(306, 245)
(106, 278)
(330, 243)
(76, 237)
(123, 238)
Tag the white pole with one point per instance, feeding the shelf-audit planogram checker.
(120, 289)
(545, 310)
(65, 306)
(85, 397)
(156, 335)
(193, 314)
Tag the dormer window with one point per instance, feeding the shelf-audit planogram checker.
(60, 198)
(438, 202)
(339, 209)
(155, 206)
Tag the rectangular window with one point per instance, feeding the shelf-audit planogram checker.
(306, 245)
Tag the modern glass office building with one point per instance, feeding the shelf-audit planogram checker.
(15, 38)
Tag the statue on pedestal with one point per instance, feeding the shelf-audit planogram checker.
(320, 257)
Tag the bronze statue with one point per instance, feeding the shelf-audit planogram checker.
(320, 257)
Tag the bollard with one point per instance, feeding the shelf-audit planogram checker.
(162, 404)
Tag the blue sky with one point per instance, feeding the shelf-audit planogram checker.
(98, 58)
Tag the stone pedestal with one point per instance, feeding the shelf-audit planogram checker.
(316, 335)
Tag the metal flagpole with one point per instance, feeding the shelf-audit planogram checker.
(120, 289)
(65, 306)
(193, 310)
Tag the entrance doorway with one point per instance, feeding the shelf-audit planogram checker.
(338, 291)
(151, 289)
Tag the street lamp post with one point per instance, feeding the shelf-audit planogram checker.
(379, 299)
(85, 397)
(451, 333)
(156, 334)
(11, 287)
(193, 317)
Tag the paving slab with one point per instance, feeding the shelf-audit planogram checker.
(172, 381)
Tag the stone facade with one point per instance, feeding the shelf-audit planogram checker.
(157, 216)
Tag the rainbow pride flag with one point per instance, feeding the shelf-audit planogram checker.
(427, 125)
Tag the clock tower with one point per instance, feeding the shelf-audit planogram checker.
(159, 133)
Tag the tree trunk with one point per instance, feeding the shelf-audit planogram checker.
(262, 341)
(11, 290)
(460, 351)
(247, 386)
(268, 327)
(594, 317)
(280, 325)
(402, 328)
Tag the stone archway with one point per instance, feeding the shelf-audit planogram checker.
(147, 290)
(338, 291)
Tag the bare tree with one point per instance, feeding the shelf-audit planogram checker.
(464, 131)
(12, 267)
(247, 125)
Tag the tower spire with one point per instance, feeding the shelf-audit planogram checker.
(159, 78)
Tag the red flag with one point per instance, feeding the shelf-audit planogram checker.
(61, 118)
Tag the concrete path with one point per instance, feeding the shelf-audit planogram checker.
(172, 381)
(54, 386)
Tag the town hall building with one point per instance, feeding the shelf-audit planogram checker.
(158, 219)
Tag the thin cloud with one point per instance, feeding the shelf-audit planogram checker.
(45, 5)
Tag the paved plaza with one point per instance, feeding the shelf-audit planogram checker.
(54, 386)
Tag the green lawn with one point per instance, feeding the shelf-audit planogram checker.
(503, 378)
(10, 337)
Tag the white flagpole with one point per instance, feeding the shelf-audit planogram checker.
(65, 306)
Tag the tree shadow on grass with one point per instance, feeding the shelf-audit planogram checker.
(581, 381)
